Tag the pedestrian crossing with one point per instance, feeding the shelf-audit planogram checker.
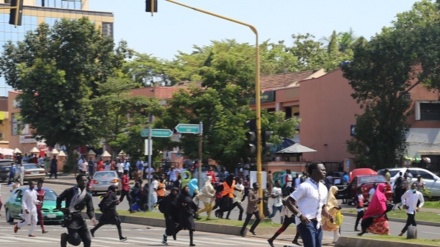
(22, 240)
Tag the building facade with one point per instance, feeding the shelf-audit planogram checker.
(36, 12)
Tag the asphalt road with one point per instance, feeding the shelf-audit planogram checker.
(140, 235)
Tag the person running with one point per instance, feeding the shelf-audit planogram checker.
(168, 206)
(109, 213)
(412, 201)
(308, 203)
(333, 209)
(40, 197)
(289, 218)
(186, 211)
(277, 199)
(359, 202)
(375, 219)
(29, 206)
(252, 209)
(238, 198)
(76, 199)
(206, 196)
(125, 191)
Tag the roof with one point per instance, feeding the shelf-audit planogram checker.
(288, 79)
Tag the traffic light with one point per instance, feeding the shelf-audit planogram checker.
(16, 13)
(265, 136)
(251, 136)
(151, 6)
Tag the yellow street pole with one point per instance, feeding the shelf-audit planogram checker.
(257, 93)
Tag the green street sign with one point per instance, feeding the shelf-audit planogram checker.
(188, 128)
(157, 133)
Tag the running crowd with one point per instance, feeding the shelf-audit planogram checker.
(304, 200)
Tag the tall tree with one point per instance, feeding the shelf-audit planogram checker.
(382, 74)
(57, 69)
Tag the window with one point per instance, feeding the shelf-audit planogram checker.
(427, 110)
(426, 175)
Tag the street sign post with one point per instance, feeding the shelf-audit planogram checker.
(188, 128)
(157, 133)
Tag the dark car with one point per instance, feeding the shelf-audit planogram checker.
(5, 165)
(50, 213)
(365, 182)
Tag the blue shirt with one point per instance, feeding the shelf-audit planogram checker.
(127, 166)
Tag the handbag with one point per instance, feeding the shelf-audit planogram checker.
(339, 218)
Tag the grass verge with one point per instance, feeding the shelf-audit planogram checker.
(431, 242)
(401, 214)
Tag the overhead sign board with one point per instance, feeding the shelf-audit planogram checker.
(157, 133)
(188, 128)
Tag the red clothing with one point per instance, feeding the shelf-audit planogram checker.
(100, 165)
(125, 183)
(212, 174)
(40, 197)
(378, 204)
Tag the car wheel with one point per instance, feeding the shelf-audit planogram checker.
(9, 217)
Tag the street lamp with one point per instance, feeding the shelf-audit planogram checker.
(257, 93)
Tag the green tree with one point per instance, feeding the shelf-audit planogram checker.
(57, 69)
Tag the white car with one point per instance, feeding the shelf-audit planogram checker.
(431, 180)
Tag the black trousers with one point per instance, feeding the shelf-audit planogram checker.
(411, 220)
(359, 216)
(125, 193)
(76, 236)
(248, 218)
(236, 204)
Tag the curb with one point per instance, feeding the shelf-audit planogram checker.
(365, 242)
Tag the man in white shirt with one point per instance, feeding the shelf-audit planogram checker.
(29, 206)
(277, 199)
(308, 202)
(409, 200)
(173, 173)
(153, 191)
(120, 167)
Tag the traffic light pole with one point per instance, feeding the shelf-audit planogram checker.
(17, 7)
(257, 94)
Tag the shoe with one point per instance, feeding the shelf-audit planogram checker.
(44, 232)
(270, 241)
(401, 234)
(253, 233)
(296, 242)
(360, 234)
(356, 230)
(123, 239)
(192, 245)
(16, 228)
(242, 234)
(31, 236)
(64, 237)
(164, 239)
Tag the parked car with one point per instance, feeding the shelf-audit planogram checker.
(50, 213)
(31, 172)
(5, 165)
(432, 181)
(101, 180)
(365, 182)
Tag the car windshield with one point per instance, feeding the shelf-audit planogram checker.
(372, 179)
(50, 195)
(104, 175)
(30, 166)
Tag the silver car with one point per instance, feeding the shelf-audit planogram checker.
(32, 172)
(102, 180)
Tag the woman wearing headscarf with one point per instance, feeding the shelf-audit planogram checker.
(375, 219)
(333, 208)
(206, 196)
(109, 213)
(187, 208)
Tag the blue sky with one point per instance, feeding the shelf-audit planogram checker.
(175, 28)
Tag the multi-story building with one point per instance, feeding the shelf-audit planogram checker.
(36, 12)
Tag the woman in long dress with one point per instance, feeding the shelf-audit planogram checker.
(206, 196)
(186, 211)
(333, 209)
(375, 219)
